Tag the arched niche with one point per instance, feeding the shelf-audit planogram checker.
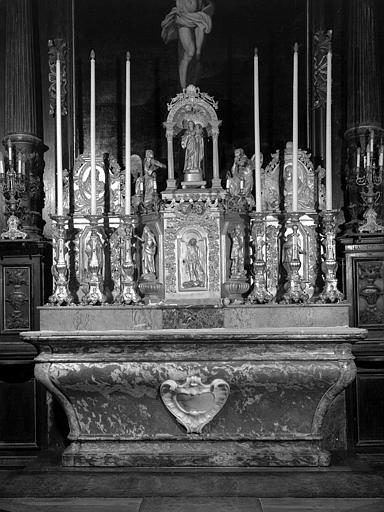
(192, 105)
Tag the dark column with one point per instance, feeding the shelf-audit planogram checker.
(364, 94)
(22, 109)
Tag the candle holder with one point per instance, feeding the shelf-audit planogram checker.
(329, 266)
(292, 264)
(61, 295)
(94, 250)
(13, 186)
(371, 179)
(128, 287)
(259, 293)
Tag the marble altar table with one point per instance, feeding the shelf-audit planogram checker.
(138, 390)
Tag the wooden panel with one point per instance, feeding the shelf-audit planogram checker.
(18, 411)
(370, 408)
(16, 293)
(369, 279)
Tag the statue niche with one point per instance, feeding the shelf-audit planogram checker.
(192, 118)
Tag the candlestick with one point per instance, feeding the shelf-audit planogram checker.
(257, 133)
(328, 135)
(59, 152)
(128, 135)
(9, 143)
(93, 136)
(295, 128)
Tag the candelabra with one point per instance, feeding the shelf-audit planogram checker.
(128, 292)
(61, 295)
(329, 266)
(94, 250)
(370, 180)
(12, 185)
(259, 293)
(292, 264)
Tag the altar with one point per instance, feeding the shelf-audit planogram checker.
(201, 325)
(231, 386)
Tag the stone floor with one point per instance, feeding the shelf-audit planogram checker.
(351, 484)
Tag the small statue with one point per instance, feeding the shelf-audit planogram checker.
(193, 143)
(149, 250)
(240, 179)
(145, 176)
(237, 252)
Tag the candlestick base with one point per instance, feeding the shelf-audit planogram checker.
(124, 236)
(329, 266)
(13, 233)
(295, 287)
(61, 295)
(94, 250)
(259, 293)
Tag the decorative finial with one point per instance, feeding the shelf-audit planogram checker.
(128, 56)
(92, 54)
(296, 47)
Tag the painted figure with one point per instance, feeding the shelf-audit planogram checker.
(188, 22)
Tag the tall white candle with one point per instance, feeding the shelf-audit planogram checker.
(381, 155)
(1, 165)
(257, 132)
(9, 151)
(328, 135)
(295, 132)
(128, 135)
(59, 151)
(93, 136)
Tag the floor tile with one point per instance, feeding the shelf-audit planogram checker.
(201, 505)
(70, 505)
(322, 504)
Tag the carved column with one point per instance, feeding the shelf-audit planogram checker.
(22, 108)
(364, 96)
(216, 182)
(171, 182)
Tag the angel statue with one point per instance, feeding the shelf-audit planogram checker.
(144, 174)
(240, 178)
(188, 22)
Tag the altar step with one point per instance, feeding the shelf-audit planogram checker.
(240, 504)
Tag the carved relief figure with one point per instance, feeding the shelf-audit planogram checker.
(188, 22)
(193, 265)
(193, 143)
(237, 252)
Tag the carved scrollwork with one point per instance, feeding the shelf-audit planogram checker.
(321, 45)
(193, 403)
(57, 47)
